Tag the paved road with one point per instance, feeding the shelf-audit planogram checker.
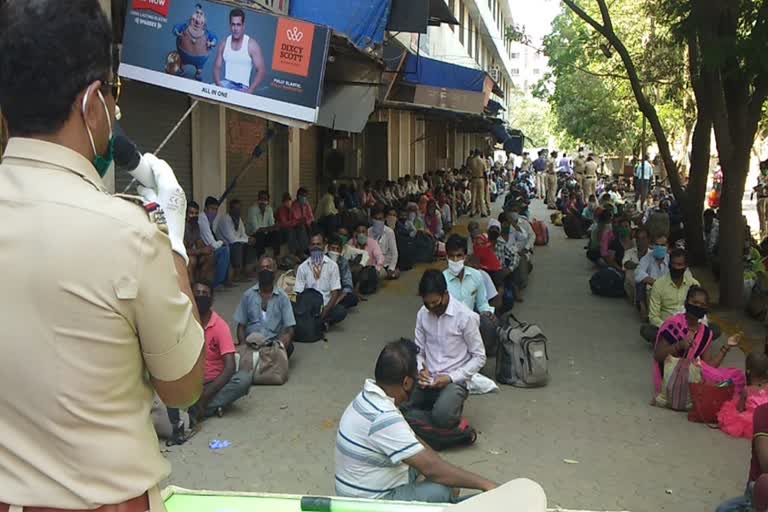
(595, 411)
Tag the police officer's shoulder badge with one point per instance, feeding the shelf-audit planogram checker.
(154, 212)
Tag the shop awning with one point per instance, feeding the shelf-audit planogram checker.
(362, 21)
(351, 87)
(416, 15)
(420, 70)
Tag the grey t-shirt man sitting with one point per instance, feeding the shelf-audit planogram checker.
(265, 314)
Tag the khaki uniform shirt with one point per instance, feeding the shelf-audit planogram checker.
(579, 164)
(477, 167)
(92, 305)
(590, 169)
(551, 165)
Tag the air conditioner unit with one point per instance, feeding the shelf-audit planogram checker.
(495, 74)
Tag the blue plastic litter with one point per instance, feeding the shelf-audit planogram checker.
(219, 444)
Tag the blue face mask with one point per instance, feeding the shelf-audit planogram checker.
(660, 252)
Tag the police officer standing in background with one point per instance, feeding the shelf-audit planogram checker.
(99, 310)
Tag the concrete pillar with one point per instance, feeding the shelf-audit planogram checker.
(294, 160)
(209, 150)
(393, 143)
(405, 143)
(421, 128)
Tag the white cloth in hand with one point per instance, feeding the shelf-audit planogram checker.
(171, 198)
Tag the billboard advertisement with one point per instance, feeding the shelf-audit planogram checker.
(227, 53)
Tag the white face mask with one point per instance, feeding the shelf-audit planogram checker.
(334, 256)
(455, 267)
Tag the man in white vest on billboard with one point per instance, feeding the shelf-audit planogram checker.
(239, 55)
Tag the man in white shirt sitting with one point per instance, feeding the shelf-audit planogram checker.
(261, 227)
(451, 351)
(385, 237)
(230, 229)
(221, 250)
(652, 266)
(320, 273)
(378, 456)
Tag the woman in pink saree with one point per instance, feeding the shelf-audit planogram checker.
(685, 336)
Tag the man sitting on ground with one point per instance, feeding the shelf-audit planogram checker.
(320, 273)
(230, 229)
(220, 249)
(467, 286)
(349, 298)
(669, 291)
(652, 266)
(363, 242)
(202, 261)
(377, 454)
(451, 351)
(222, 386)
(385, 237)
(265, 314)
(261, 226)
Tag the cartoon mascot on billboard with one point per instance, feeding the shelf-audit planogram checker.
(193, 45)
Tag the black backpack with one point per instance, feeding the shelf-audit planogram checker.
(369, 280)
(573, 227)
(439, 438)
(307, 310)
(607, 282)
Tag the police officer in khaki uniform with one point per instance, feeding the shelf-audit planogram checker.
(477, 170)
(99, 312)
(590, 176)
(551, 180)
(579, 163)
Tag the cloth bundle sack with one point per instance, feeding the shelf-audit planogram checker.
(678, 375)
(270, 361)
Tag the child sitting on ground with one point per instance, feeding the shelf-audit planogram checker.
(735, 417)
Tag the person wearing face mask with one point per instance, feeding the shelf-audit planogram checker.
(261, 226)
(230, 229)
(384, 236)
(378, 456)
(391, 218)
(349, 296)
(221, 250)
(265, 315)
(652, 266)
(320, 273)
(451, 351)
(467, 285)
(109, 272)
(685, 335)
(223, 386)
(668, 293)
(373, 270)
(202, 261)
(291, 223)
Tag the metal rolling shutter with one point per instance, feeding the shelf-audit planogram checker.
(149, 114)
(308, 164)
(243, 133)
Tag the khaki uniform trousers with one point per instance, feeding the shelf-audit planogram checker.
(590, 186)
(551, 182)
(479, 206)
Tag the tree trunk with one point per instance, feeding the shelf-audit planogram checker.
(693, 206)
(731, 245)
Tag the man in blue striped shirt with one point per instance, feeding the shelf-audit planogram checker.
(378, 456)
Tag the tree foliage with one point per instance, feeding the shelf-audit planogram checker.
(591, 97)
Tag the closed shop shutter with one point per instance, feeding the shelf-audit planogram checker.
(308, 163)
(243, 133)
(149, 114)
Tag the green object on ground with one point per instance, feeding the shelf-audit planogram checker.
(179, 502)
